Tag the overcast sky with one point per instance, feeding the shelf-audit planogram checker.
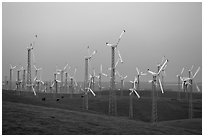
(66, 29)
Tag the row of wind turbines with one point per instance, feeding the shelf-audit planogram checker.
(57, 85)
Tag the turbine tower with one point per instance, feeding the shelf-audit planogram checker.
(11, 75)
(112, 94)
(29, 81)
(133, 90)
(66, 81)
(188, 82)
(23, 80)
(154, 96)
(86, 84)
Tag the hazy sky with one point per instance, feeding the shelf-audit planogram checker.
(66, 29)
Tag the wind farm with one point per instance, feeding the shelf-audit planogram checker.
(116, 88)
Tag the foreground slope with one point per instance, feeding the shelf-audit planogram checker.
(21, 118)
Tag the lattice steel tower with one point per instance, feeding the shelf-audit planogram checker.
(86, 84)
(112, 94)
(154, 101)
(29, 81)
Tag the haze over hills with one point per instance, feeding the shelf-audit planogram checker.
(66, 29)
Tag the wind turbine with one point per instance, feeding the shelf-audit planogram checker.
(36, 80)
(86, 84)
(30, 48)
(92, 77)
(89, 89)
(133, 90)
(154, 98)
(62, 71)
(112, 98)
(86, 91)
(162, 73)
(99, 77)
(179, 84)
(11, 75)
(18, 81)
(139, 74)
(72, 82)
(122, 78)
(55, 83)
(188, 82)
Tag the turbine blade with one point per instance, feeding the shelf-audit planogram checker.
(34, 91)
(143, 74)
(120, 57)
(120, 37)
(161, 68)
(101, 68)
(104, 74)
(116, 63)
(136, 93)
(92, 92)
(196, 72)
(153, 73)
(150, 81)
(197, 87)
(182, 71)
(137, 71)
(93, 53)
(35, 67)
(192, 67)
(65, 67)
(108, 44)
(161, 86)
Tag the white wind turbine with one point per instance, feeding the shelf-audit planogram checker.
(86, 91)
(139, 74)
(100, 77)
(89, 89)
(18, 81)
(188, 82)
(36, 80)
(179, 84)
(55, 83)
(112, 101)
(122, 78)
(62, 71)
(73, 82)
(156, 77)
(133, 90)
(92, 78)
(11, 75)
(86, 81)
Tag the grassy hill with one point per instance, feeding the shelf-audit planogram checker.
(28, 114)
